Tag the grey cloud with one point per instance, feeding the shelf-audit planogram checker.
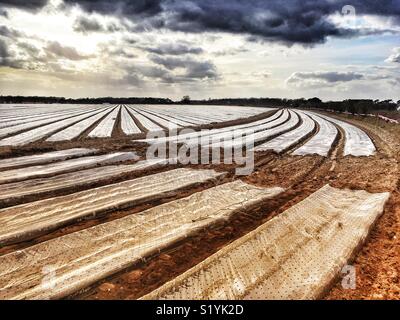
(10, 33)
(318, 79)
(131, 40)
(114, 27)
(230, 52)
(193, 69)
(131, 79)
(330, 76)
(3, 49)
(23, 55)
(170, 63)
(119, 52)
(201, 70)
(55, 49)
(156, 73)
(88, 25)
(29, 49)
(7, 59)
(173, 49)
(114, 49)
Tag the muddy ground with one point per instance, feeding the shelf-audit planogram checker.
(377, 264)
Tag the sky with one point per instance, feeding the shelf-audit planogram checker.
(331, 49)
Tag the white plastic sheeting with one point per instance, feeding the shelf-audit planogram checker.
(70, 180)
(223, 113)
(45, 157)
(41, 122)
(251, 127)
(295, 255)
(357, 143)
(76, 129)
(288, 139)
(28, 220)
(178, 118)
(64, 166)
(35, 118)
(41, 132)
(128, 126)
(105, 128)
(20, 111)
(145, 122)
(159, 120)
(82, 258)
(272, 129)
(322, 142)
(167, 120)
(205, 113)
(226, 137)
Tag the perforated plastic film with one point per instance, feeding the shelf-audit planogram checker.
(293, 256)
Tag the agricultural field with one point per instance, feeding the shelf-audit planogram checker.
(85, 213)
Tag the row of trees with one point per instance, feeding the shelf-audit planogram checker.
(352, 106)
(111, 100)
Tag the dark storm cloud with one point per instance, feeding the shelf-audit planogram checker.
(294, 21)
(122, 7)
(23, 4)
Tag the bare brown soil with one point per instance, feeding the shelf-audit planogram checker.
(377, 264)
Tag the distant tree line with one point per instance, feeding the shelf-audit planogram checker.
(352, 106)
(110, 100)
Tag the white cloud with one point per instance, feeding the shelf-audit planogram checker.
(395, 56)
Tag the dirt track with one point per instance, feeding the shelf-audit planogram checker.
(378, 263)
